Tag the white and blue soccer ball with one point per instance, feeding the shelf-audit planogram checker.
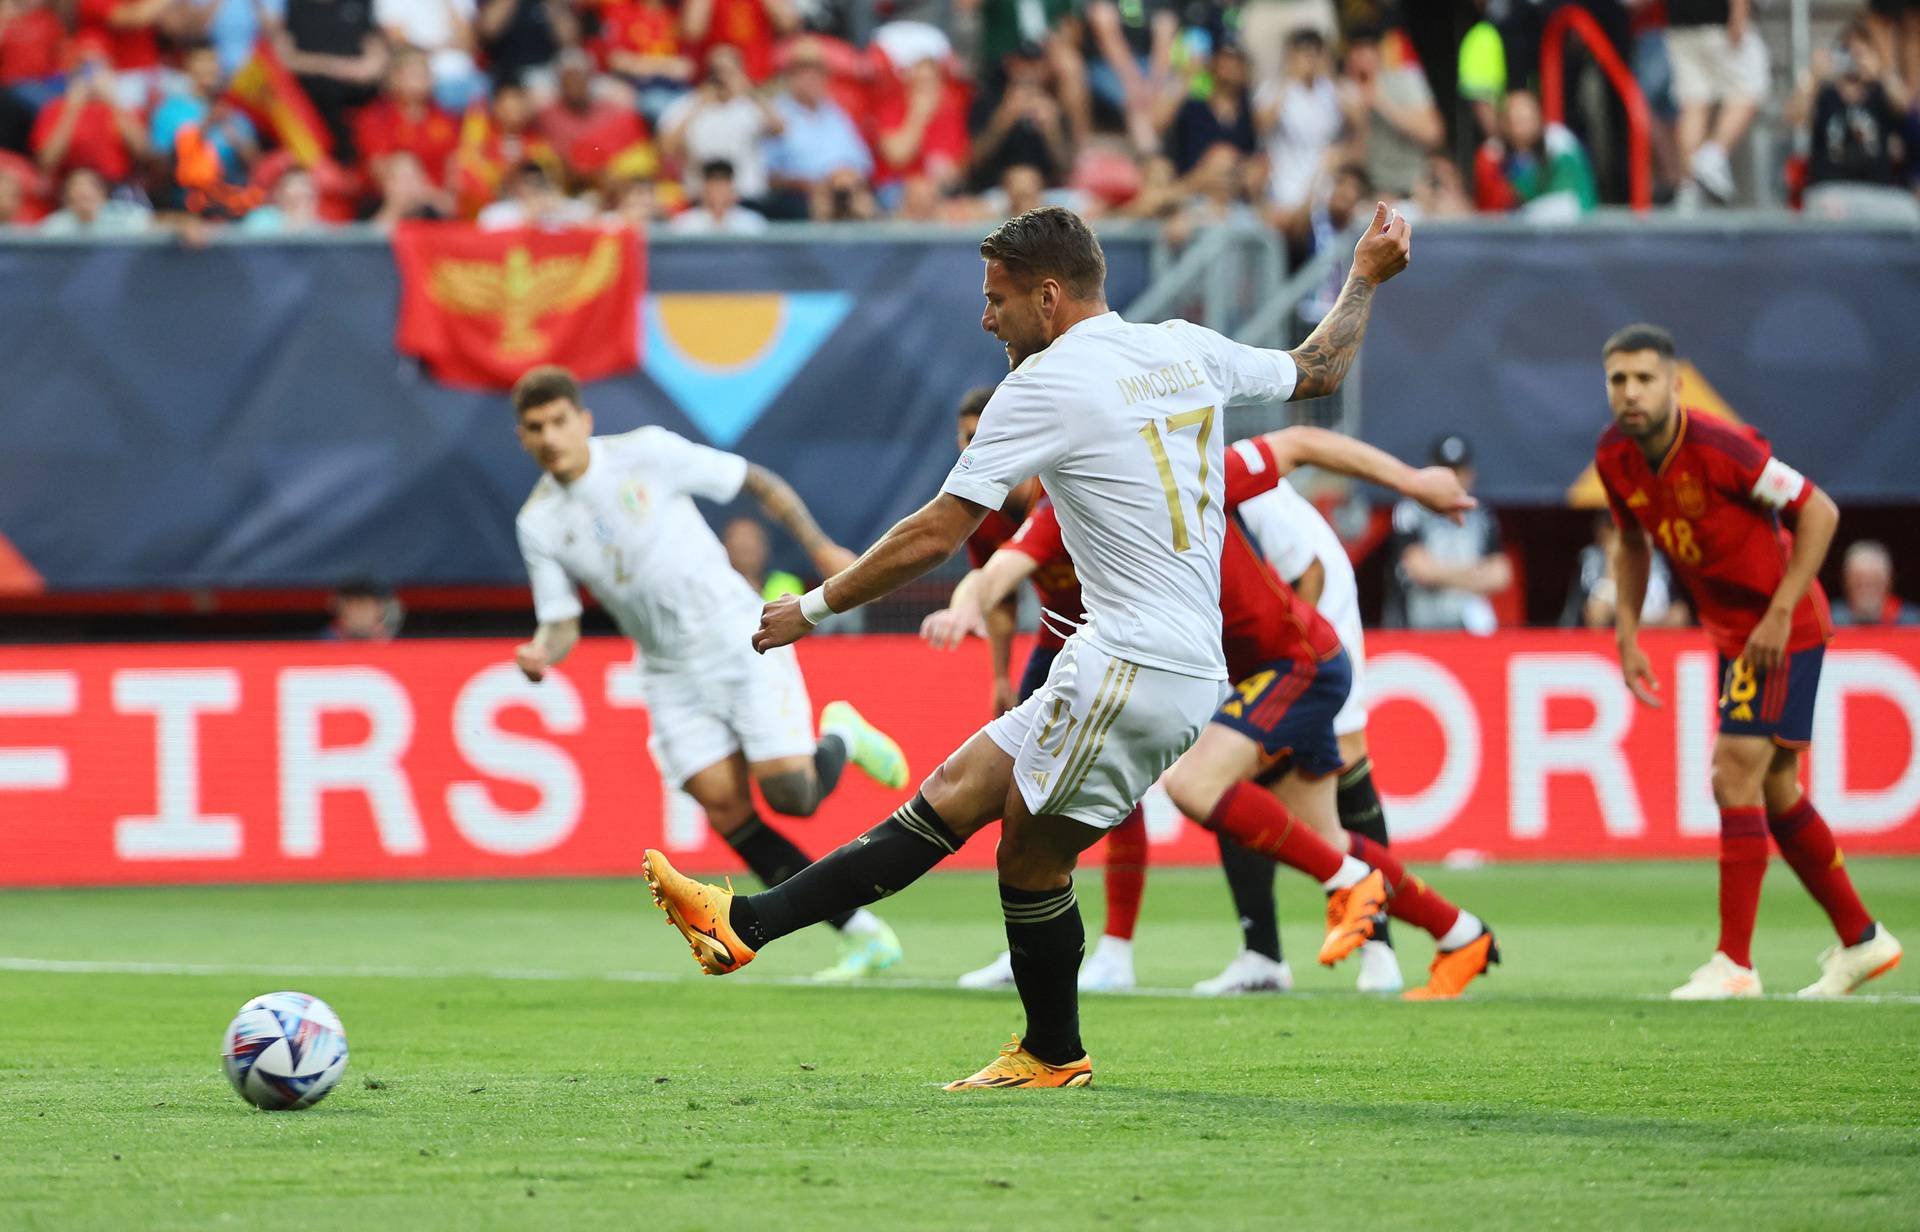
(285, 1050)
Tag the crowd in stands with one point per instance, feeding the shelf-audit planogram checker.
(720, 116)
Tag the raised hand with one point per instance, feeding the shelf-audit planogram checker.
(1386, 247)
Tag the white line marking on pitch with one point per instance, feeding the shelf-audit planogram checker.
(76, 966)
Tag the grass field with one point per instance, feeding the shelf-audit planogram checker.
(540, 1054)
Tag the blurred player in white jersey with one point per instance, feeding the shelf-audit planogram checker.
(1306, 552)
(1121, 424)
(616, 514)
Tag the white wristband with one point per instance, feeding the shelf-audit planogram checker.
(813, 605)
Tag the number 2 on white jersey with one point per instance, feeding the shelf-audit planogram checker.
(1150, 432)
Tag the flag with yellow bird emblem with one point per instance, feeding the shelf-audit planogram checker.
(481, 307)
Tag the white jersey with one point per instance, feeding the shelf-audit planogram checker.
(628, 531)
(1292, 535)
(1122, 424)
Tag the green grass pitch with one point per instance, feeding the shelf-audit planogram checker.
(543, 1055)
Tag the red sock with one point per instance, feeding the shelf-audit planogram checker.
(1263, 824)
(1126, 873)
(1815, 858)
(1411, 899)
(1743, 864)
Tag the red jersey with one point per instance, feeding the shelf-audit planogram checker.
(643, 29)
(134, 47)
(589, 140)
(944, 145)
(96, 140)
(1262, 620)
(382, 128)
(1055, 580)
(30, 45)
(1712, 505)
(487, 154)
(992, 534)
(744, 26)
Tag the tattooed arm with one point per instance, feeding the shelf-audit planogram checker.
(1324, 358)
(784, 506)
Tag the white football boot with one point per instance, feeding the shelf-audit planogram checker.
(1109, 968)
(1379, 969)
(1844, 968)
(1719, 979)
(996, 974)
(1248, 972)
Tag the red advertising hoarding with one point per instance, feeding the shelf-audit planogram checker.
(434, 759)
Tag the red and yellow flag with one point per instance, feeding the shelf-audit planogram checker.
(279, 106)
(481, 307)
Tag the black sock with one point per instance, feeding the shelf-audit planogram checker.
(885, 860)
(829, 759)
(1250, 881)
(772, 857)
(1360, 812)
(1046, 939)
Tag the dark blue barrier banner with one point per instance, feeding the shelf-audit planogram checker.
(1809, 334)
(238, 416)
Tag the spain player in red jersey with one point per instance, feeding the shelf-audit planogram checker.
(1110, 967)
(1290, 678)
(1718, 504)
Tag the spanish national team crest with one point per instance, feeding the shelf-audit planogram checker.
(481, 307)
(1689, 494)
(724, 357)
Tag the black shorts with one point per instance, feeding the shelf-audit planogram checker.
(1039, 663)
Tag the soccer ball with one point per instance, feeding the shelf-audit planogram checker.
(285, 1050)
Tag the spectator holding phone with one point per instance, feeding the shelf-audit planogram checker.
(1852, 105)
(88, 127)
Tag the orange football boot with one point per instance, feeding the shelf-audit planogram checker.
(700, 912)
(1453, 970)
(1016, 1067)
(1352, 916)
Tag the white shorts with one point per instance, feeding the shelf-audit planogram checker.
(1353, 714)
(756, 704)
(1090, 741)
(1707, 69)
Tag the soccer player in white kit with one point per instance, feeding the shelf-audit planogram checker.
(1121, 423)
(1308, 553)
(616, 514)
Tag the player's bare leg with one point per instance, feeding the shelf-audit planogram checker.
(1740, 765)
(1209, 783)
(726, 931)
(1864, 948)
(1046, 939)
